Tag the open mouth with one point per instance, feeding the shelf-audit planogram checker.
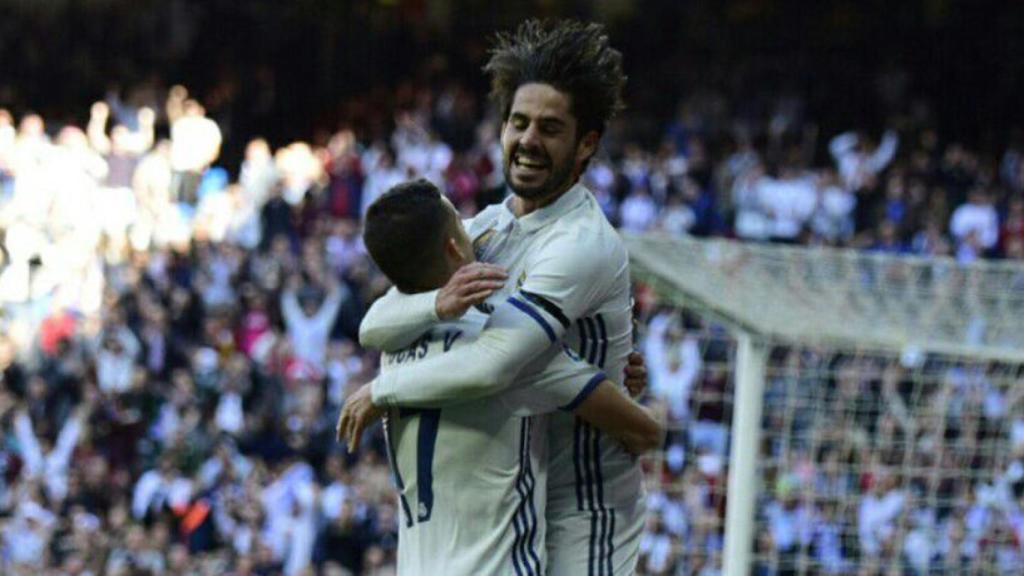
(529, 164)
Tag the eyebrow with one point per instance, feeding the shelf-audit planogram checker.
(550, 120)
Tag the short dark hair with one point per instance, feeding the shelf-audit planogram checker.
(573, 57)
(405, 231)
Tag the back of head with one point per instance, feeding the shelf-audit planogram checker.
(573, 57)
(405, 231)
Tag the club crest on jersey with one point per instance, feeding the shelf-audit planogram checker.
(481, 242)
(521, 280)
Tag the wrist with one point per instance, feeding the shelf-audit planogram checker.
(439, 311)
(377, 394)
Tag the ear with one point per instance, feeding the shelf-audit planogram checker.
(587, 146)
(452, 250)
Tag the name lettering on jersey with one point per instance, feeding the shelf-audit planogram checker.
(420, 348)
(415, 351)
(450, 337)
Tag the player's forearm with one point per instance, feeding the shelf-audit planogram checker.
(611, 411)
(396, 319)
(483, 368)
(510, 341)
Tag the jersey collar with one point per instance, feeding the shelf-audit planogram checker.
(543, 216)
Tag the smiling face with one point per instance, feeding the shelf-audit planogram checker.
(543, 154)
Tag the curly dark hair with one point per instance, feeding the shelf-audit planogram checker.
(573, 57)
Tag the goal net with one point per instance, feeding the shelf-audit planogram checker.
(885, 393)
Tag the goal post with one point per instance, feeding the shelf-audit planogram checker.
(886, 308)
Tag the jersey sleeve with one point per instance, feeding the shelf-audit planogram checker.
(396, 319)
(509, 341)
(570, 275)
(561, 383)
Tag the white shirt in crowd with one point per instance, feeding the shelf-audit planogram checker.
(788, 204)
(154, 489)
(979, 218)
(656, 552)
(195, 143)
(114, 369)
(790, 527)
(833, 215)
(638, 212)
(309, 334)
(672, 372)
(875, 519)
(51, 468)
(290, 526)
(857, 168)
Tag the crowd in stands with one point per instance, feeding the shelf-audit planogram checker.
(177, 341)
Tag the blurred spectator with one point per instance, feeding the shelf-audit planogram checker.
(195, 144)
(976, 223)
(858, 165)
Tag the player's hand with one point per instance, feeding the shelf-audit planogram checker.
(356, 415)
(469, 286)
(636, 374)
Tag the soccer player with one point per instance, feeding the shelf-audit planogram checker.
(556, 87)
(471, 475)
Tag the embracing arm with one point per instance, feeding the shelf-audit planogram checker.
(608, 409)
(396, 319)
(571, 385)
(482, 368)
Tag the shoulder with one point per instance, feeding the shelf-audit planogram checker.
(584, 234)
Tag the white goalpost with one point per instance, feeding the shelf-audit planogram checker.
(867, 315)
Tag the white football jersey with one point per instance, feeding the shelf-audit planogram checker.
(569, 262)
(470, 476)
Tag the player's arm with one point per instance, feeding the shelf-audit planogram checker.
(610, 410)
(572, 385)
(396, 319)
(510, 340)
(563, 281)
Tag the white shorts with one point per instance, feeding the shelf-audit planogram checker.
(594, 543)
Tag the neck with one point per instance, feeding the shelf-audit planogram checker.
(523, 206)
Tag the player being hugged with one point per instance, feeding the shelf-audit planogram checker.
(470, 463)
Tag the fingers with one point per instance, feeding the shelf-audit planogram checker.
(636, 382)
(635, 389)
(489, 286)
(470, 285)
(339, 428)
(635, 375)
(635, 371)
(479, 297)
(356, 435)
(481, 271)
(352, 434)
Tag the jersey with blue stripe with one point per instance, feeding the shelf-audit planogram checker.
(570, 269)
(471, 476)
